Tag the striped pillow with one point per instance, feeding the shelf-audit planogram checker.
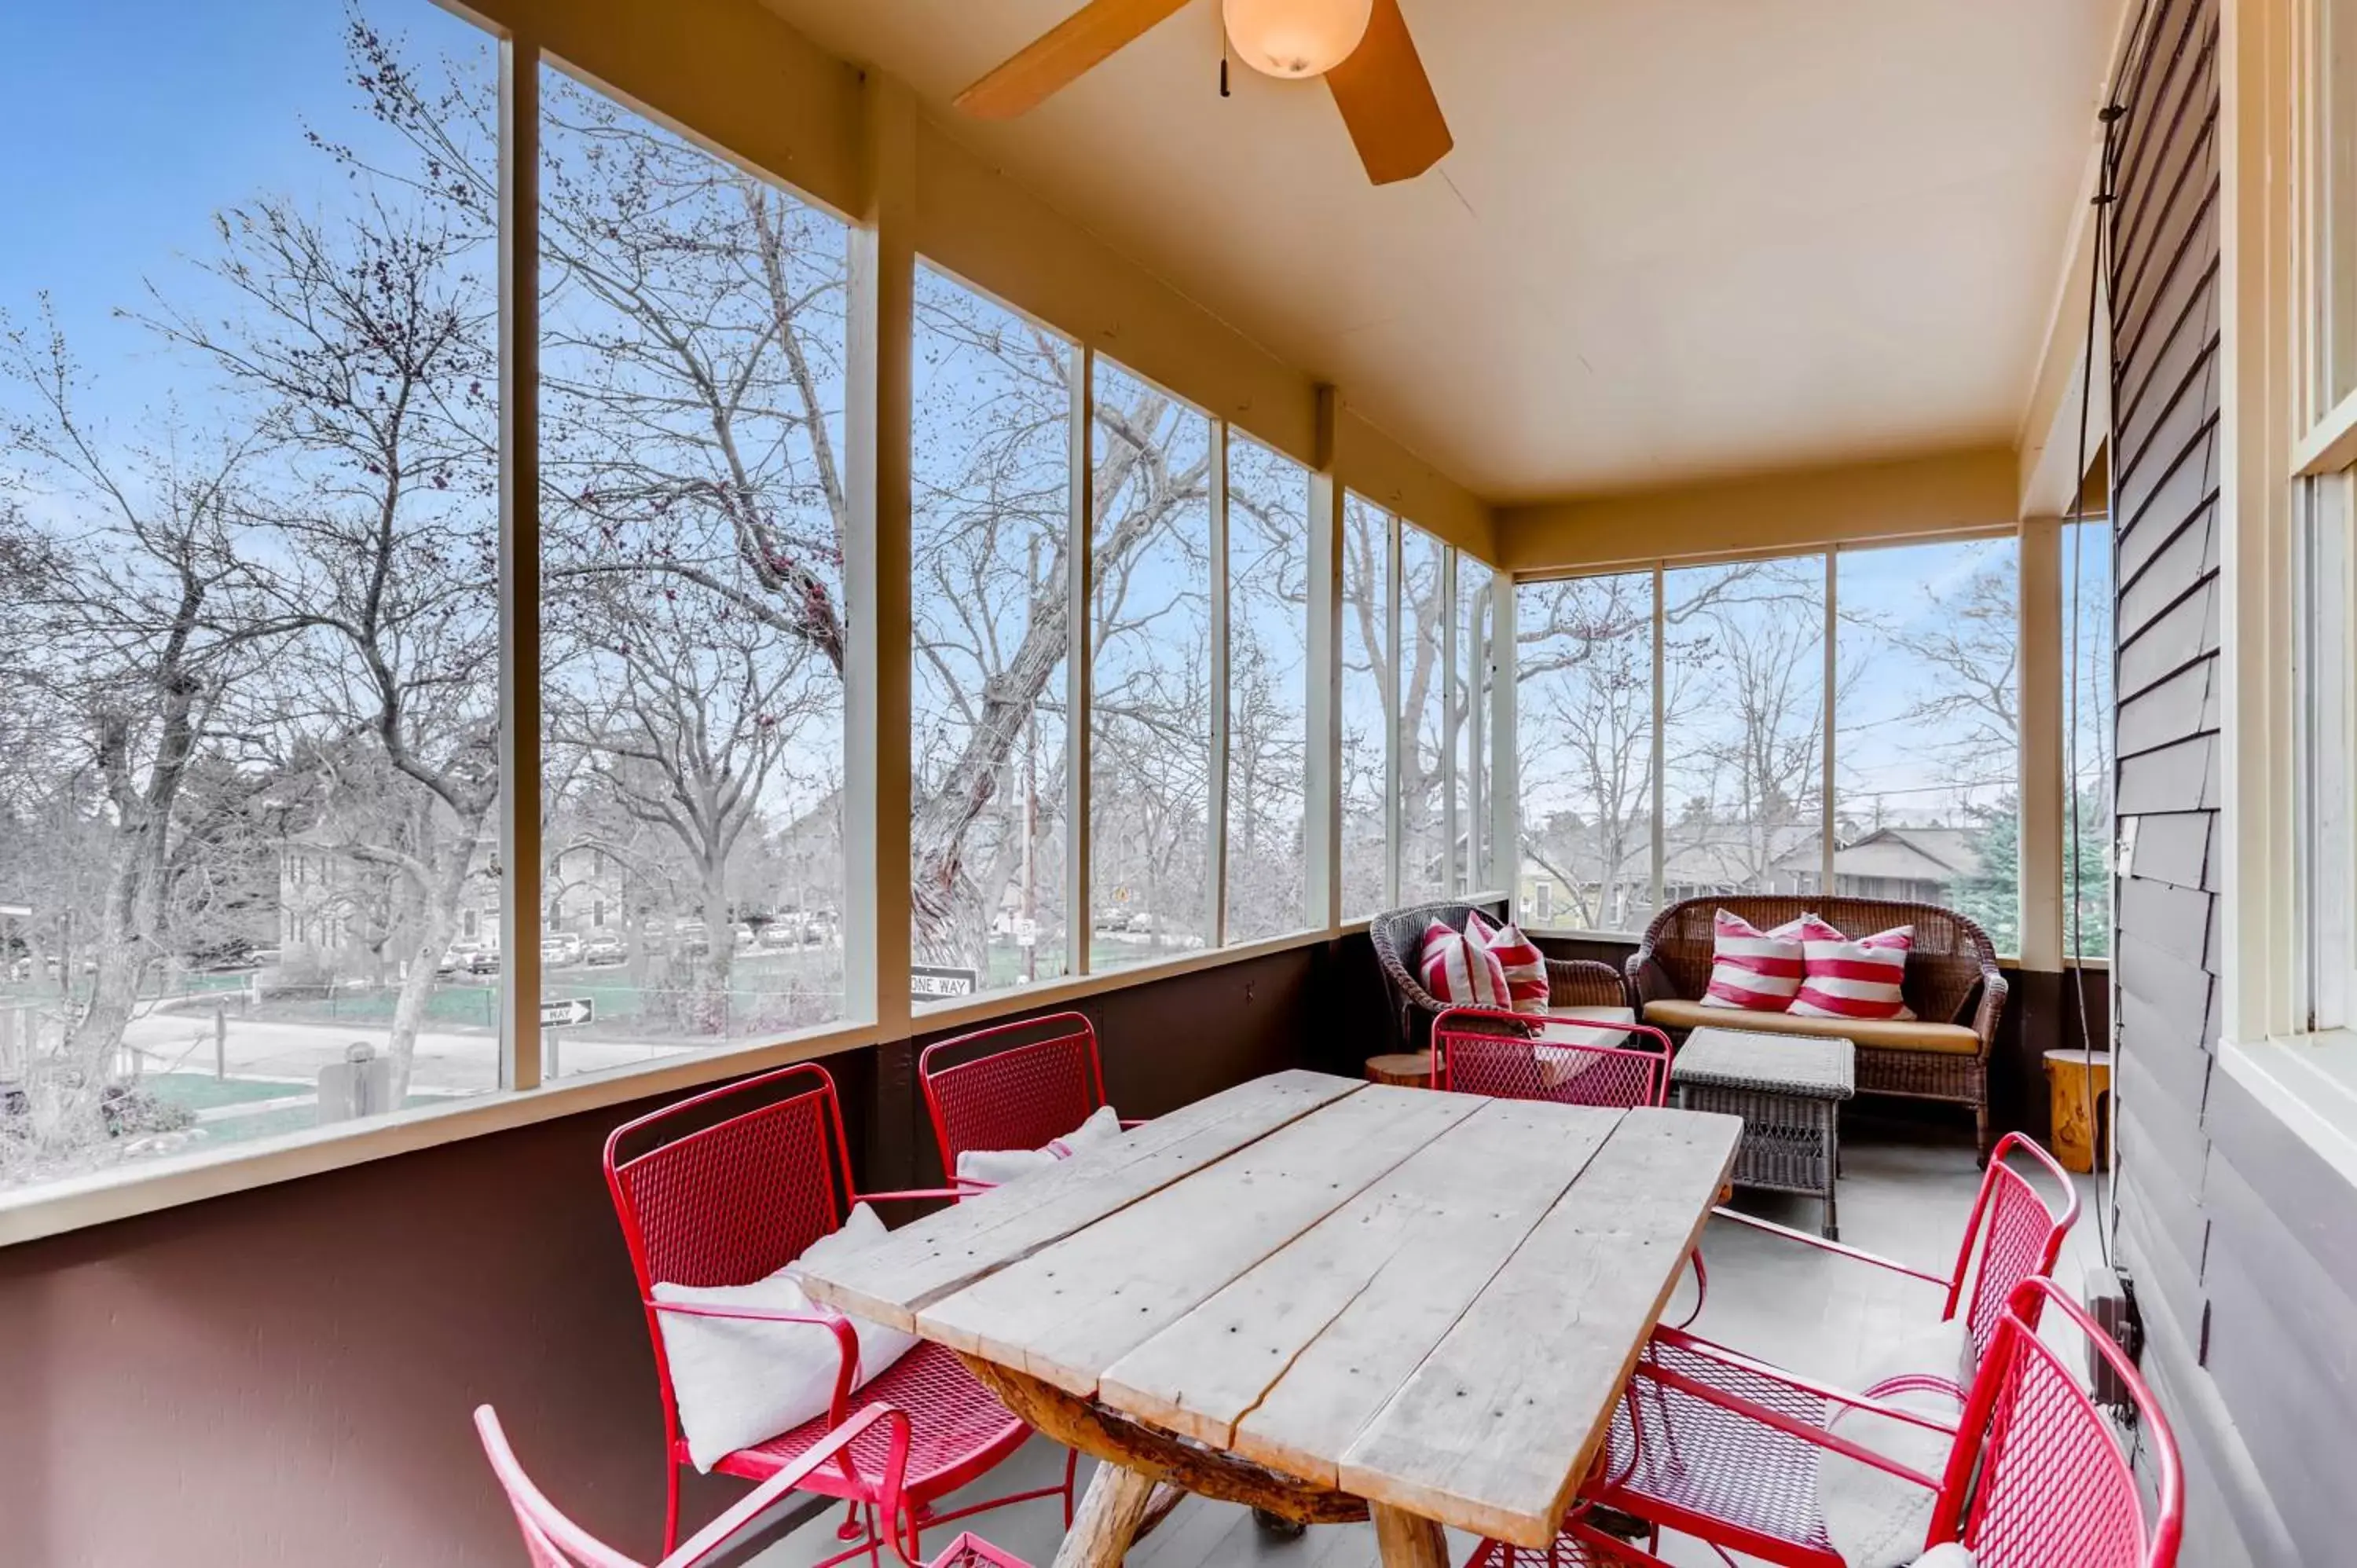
(1751, 969)
(1857, 979)
(1527, 988)
(1460, 970)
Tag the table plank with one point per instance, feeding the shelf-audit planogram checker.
(943, 1252)
(1069, 1311)
(1285, 1365)
(1496, 1429)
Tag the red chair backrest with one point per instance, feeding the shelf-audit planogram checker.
(730, 1200)
(1012, 1085)
(550, 1539)
(2016, 1233)
(1510, 1055)
(2036, 1477)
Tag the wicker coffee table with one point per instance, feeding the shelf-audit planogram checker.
(1788, 1089)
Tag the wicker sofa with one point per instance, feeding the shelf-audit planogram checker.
(1399, 938)
(1952, 984)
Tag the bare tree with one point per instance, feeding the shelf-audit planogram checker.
(126, 635)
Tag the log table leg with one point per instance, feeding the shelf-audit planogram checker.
(1407, 1539)
(1108, 1520)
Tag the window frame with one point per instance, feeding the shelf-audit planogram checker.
(884, 243)
(1831, 551)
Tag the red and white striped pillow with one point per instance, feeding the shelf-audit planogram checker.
(1460, 969)
(1527, 987)
(1850, 979)
(1755, 970)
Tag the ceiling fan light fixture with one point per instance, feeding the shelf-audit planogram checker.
(1295, 38)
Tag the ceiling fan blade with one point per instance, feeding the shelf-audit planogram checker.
(1387, 101)
(1080, 41)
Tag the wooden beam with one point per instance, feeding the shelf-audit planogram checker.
(2045, 790)
(877, 565)
(519, 581)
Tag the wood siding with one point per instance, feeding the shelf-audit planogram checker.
(2241, 1254)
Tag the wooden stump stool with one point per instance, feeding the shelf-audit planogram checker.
(1409, 1069)
(2082, 1095)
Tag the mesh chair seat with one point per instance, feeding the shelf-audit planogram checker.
(1686, 1455)
(973, 1552)
(957, 1430)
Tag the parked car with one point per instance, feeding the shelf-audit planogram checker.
(453, 959)
(781, 933)
(602, 947)
(692, 936)
(484, 960)
(1112, 920)
(560, 948)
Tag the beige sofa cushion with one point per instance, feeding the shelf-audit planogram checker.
(1884, 1034)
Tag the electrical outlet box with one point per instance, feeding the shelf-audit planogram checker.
(2113, 1306)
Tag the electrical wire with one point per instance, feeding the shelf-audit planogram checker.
(2105, 202)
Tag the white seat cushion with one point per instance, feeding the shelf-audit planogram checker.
(1874, 1518)
(740, 1381)
(996, 1167)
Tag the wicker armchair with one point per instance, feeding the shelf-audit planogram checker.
(1399, 940)
(1951, 980)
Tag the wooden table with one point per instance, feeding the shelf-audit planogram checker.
(1320, 1297)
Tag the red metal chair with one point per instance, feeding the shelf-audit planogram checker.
(1513, 1056)
(1012, 1085)
(2015, 1233)
(1715, 1445)
(553, 1541)
(715, 1200)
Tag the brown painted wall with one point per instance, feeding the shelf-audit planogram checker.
(281, 1378)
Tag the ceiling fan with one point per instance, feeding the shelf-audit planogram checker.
(1360, 46)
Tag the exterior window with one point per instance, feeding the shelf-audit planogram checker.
(1585, 714)
(1268, 677)
(992, 606)
(597, 914)
(206, 427)
(1927, 799)
(1743, 744)
(2329, 754)
(1149, 628)
(470, 926)
(2333, 177)
(1422, 709)
(1471, 689)
(693, 524)
(2089, 756)
(1368, 668)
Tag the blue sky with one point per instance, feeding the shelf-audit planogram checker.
(131, 122)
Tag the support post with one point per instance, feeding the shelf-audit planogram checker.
(1323, 777)
(518, 576)
(879, 411)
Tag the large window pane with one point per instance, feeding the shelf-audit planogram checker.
(1150, 730)
(1469, 692)
(692, 523)
(1585, 715)
(2087, 653)
(1368, 679)
(249, 779)
(1424, 721)
(993, 441)
(1926, 730)
(1268, 684)
(1743, 727)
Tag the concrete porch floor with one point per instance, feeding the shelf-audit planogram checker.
(1906, 1189)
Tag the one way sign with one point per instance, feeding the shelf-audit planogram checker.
(565, 1011)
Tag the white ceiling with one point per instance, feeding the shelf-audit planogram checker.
(1676, 237)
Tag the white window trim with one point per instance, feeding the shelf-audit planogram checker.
(2273, 439)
